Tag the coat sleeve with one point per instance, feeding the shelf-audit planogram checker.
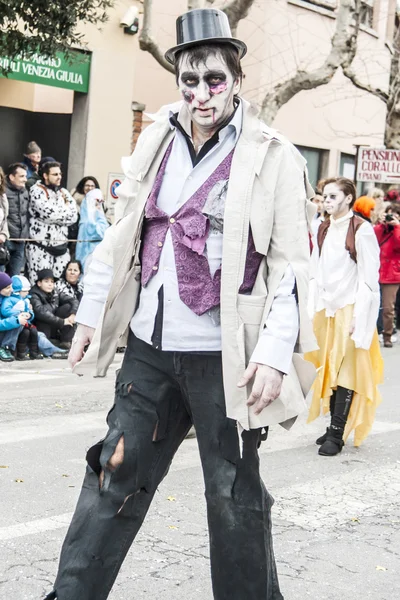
(71, 210)
(67, 299)
(7, 308)
(97, 281)
(63, 213)
(366, 306)
(127, 191)
(4, 225)
(42, 313)
(289, 245)
(9, 323)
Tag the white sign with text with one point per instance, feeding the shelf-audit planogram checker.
(378, 164)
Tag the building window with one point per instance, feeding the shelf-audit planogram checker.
(314, 158)
(329, 4)
(367, 13)
(347, 165)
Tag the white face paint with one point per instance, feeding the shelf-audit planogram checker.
(208, 91)
(336, 203)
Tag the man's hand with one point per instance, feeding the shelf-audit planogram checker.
(82, 338)
(266, 387)
(2, 238)
(23, 318)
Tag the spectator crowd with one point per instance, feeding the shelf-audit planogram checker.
(47, 236)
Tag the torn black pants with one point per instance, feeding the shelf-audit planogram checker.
(158, 396)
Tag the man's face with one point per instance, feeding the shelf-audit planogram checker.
(19, 178)
(7, 291)
(336, 203)
(53, 177)
(47, 285)
(35, 157)
(318, 200)
(208, 90)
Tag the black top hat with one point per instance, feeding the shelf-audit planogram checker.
(202, 25)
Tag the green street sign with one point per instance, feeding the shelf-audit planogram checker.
(71, 73)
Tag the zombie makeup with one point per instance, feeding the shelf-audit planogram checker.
(336, 203)
(208, 91)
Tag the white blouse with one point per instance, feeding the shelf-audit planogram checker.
(337, 281)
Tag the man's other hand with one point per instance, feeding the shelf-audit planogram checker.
(82, 338)
(266, 387)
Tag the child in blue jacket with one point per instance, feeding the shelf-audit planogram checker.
(13, 306)
(11, 326)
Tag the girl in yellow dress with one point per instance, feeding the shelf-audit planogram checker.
(344, 303)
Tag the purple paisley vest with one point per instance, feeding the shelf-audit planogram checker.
(189, 228)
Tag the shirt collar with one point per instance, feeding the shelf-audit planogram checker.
(235, 123)
(342, 219)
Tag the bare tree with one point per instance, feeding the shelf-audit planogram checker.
(391, 97)
(342, 52)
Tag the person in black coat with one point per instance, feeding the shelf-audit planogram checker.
(18, 216)
(54, 312)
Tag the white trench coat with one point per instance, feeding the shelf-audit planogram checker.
(268, 189)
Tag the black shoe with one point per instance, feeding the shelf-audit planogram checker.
(65, 345)
(59, 355)
(21, 356)
(333, 444)
(322, 439)
(36, 356)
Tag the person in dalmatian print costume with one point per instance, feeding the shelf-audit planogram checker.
(52, 209)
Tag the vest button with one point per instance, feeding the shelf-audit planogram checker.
(155, 268)
(159, 244)
(172, 220)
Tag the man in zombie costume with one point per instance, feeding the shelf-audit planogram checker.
(207, 274)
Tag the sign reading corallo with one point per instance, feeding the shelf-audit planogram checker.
(378, 164)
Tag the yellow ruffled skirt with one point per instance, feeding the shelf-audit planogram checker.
(340, 363)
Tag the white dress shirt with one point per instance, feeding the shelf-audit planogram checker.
(337, 281)
(182, 329)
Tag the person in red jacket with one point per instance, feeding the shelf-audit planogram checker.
(388, 234)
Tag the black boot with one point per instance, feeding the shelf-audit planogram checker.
(34, 353)
(323, 437)
(333, 444)
(319, 441)
(20, 353)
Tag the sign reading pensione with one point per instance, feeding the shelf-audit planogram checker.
(378, 164)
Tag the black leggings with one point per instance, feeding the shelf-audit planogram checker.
(340, 404)
(28, 338)
(63, 334)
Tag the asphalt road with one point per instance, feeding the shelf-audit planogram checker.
(336, 520)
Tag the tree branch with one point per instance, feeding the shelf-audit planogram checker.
(350, 74)
(236, 11)
(342, 52)
(195, 4)
(384, 96)
(146, 40)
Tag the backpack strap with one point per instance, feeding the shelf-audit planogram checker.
(354, 226)
(321, 234)
(44, 188)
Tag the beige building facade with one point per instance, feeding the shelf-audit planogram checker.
(97, 127)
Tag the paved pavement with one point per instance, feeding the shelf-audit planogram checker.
(336, 520)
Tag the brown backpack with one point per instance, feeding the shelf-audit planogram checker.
(354, 225)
